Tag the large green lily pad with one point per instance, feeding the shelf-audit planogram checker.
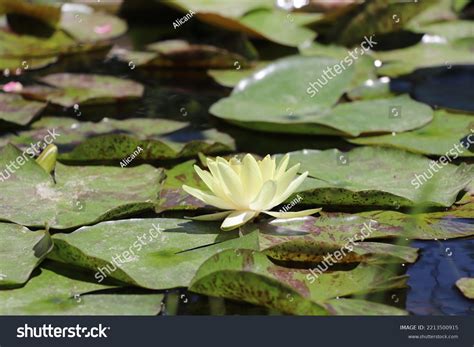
(15, 109)
(21, 250)
(44, 11)
(378, 177)
(466, 286)
(92, 27)
(423, 55)
(60, 291)
(77, 196)
(68, 89)
(442, 135)
(250, 276)
(168, 255)
(451, 30)
(231, 77)
(279, 92)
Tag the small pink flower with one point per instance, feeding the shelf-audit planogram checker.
(12, 87)
(102, 29)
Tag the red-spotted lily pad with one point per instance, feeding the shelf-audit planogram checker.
(15, 109)
(68, 89)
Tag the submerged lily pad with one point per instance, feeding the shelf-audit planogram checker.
(377, 176)
(92, 27)
(15, 109)
(21, 250)
(79, 195)
(466, 286)
(168, 255)
(14, 63)
(250, 276)
(442, 136)
(59, 291)
(68, 89)
(282, 93)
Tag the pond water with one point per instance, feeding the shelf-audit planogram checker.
(187, 95)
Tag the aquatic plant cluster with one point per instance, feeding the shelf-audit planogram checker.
(236, 157)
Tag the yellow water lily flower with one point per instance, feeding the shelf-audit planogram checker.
(247, 188)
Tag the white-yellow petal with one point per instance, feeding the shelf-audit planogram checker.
(251, 177)
(282, 166)
(237, 219)
(209, 199)
(211, 216)
(265, 197)
(284, 181)
(231, 181)
(290, 189)
(267, 168)
(284, 215)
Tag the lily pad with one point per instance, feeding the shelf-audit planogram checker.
(168, 255)
(115, 140)
(77, 196)
(57, 291)
(68, 89)
(424, 54)
(339, 228)
(251, 277)
(451, 30)
(180, 53)
(172, 195)
(377, 176)
(442, 135)
(47, 12)
(92, 27)
(280, 92)
(466, 286)
(14, 63)
(15, 109)
(231, 77)
(21, 250)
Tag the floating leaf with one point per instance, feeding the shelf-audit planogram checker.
(180, 53)
(69, 89)
(443, 136)
(92, 27)
(170, 255)
(14, 63)
(376, 176)
(15, 109)
(79, 195)
(451, 30)
(231, 77)
(59, 291)
(47, 12)
(280, 92)
(422, 55)
(115, 140)
(466, 286)
(339, 228)
(250, 276)
(172, 195)
(355, 307)
(279, 26)
(21, 250)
